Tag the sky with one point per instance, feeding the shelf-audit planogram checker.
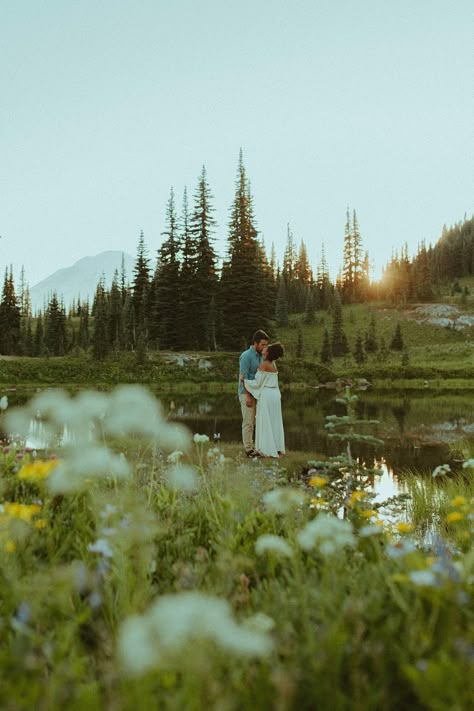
(335, 103)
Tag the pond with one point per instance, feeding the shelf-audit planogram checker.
(417, 428)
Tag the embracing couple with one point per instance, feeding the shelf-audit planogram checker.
(260, 398)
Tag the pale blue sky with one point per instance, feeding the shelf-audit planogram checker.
(105, 105)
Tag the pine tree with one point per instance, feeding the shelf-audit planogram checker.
(326, 355)
(359, 353)
(115, 316)
(348, 261)
(100, 340)
(281, 308)
(396, 344)
(300, 344)
(371, 345)
(202, 226)
(140, 293)
(241, 291)
(165, 286)
(55, 331)
(338, 337)
(38, 344)
(9, 317)
(185, 317)
(84, 335)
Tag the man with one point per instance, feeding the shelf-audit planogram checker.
(249, 362)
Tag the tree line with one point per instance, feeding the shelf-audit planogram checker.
(188, 298)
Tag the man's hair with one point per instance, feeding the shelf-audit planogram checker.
(274, 351)
(259, 336)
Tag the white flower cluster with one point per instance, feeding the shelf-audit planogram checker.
(283, 499)
(441, 470)
(269, 543)
(326, 533)
(200, 438)
(159, 638)
(182, 478)
(87, 419)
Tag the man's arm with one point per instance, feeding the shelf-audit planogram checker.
(244, 369)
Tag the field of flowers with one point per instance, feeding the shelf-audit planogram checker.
(144, 567)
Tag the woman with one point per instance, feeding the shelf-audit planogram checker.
(269, 435)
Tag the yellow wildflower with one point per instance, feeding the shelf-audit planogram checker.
(369, 513)
(38, 470)
(10, 547)
(404, 527)
(318, 481)
(40, 523)
(357, 496)
(454, 516)
(458, 501)
(379, 522)
(25, 512)
(318, 501)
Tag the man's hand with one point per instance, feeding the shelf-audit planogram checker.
(249, 402)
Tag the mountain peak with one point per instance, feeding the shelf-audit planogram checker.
(81, 278)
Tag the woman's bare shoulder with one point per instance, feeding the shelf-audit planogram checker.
(266, 366)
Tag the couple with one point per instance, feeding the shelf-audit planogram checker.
(258, 381)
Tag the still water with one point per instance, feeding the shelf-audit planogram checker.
(418, 429)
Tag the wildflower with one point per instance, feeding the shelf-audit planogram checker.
(200, 438)
(40, 523)
(183, 478)
(102, 547)
(3, 402)
(269, 543)
(404, 527)
(458, 501)
(24, 512)
(371, 530)
(357, 496)
(283, 499)
(317, 502)
(318, 481)
(454, 516)
(422, 578)
(81, 464)
(368, 513)
(441, 470)
(468, 464)
(260, 622)
(326, 533)
(38, 470)
(10, 547)
(160, 636)
(175, 456)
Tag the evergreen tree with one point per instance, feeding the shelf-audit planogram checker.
(281, 309)
(140, 293)
(338, 337)
(325, 355)
(84, 335)
(396, 344)
(38, 344)
(371, 345)
(241, 290)
(9, 317)
(55, 332)
(29, 343)
(100, 340)
(309, 311)
(185, 317)
(359, 353)
(115, 332)
(202, 225)
(165, 286)
(348, 260)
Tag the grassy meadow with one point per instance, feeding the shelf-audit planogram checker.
(144, 566)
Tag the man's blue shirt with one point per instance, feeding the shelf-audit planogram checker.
(248, 366)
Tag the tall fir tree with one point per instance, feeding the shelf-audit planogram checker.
(338, 337)
(140, 293)
(326, 353)
(55, 332)
(9, 317)
(241, 291)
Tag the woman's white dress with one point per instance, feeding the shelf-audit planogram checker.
(269, 434)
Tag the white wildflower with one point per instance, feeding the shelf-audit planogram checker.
(268, 543)
(80, 465)
(260, 622)
(441, 470)
(283, 499)
(468, 464)
(3, 402)
(174, 622)
(326, 533)
(182, 478)
(370, 530)
(175, 456)
(102, 547)
(200, 438)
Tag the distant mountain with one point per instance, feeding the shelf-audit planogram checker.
(81, 278)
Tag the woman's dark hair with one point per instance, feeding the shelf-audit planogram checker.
(274, 351)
